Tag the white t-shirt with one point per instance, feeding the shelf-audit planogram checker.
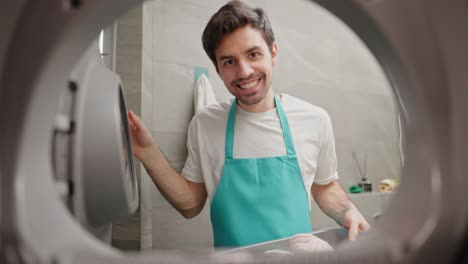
(260, 135)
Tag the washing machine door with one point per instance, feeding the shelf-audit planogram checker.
(93, 165)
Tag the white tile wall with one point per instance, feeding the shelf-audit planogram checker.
(172, 96)
(181, 41)
(127, 233)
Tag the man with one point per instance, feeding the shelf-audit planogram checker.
(255, 158)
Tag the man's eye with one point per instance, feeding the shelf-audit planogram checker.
(254, 54)
(229, 62)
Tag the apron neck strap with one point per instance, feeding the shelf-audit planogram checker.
(284, 124)
(288, 139)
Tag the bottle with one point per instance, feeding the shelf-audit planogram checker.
(365, 184)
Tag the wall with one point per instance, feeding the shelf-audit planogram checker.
(126, 233)
(320, 61)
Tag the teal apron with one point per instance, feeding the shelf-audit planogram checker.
(259, 199)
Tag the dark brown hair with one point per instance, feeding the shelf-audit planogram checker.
(230, 17)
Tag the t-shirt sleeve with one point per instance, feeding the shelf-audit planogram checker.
(192, 168)
(327, 163)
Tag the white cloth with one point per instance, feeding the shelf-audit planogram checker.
(203, 94)
(309, 243)
(260, 135)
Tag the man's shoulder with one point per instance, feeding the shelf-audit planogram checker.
(295, 105)
(211, 113)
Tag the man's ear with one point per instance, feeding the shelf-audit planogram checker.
(274, 53)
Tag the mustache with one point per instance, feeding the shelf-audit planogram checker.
(253, 76)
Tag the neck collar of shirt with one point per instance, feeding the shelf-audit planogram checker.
(269, 113)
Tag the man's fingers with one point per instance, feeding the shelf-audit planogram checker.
(353, 231)
(134, 120)
(364, 226)
(130, 122)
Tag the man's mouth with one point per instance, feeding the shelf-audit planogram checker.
(248, 84)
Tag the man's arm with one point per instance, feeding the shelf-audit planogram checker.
(335, 203)
(188, 198)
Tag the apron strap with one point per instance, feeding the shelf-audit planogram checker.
(287, 135)
(286, 129)
(230, 130)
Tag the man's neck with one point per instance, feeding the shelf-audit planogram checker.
(267, 104)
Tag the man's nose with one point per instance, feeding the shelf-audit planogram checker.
(244, 69)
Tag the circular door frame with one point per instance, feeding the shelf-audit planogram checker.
(418, 44)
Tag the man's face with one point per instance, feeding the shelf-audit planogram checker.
(245, 65)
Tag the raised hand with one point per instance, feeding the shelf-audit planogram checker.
(142, 141)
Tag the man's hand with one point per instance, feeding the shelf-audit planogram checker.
(142, 141)
(355, 222)
(187, 197)
(335, 203)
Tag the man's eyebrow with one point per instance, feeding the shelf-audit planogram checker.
(228, 57)
(253, 49)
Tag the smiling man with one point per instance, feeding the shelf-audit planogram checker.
(257, 158)
(244, 62)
